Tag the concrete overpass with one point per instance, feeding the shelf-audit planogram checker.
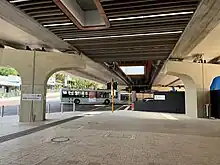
(194, 61)
(101, 36)
(22, 31)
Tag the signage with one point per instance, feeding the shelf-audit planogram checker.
(159, 97)
(30, 97)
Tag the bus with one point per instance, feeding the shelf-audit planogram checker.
(124, 96)
(88, 96)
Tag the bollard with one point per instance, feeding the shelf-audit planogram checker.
(132, 106)
(18, 107)
(207, 107)
(74, 107)
(48, 108)
(2, 110)
(61, 107)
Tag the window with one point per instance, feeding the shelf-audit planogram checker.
(86, 94)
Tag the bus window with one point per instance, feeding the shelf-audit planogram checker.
(65, 93)
(99, 95)
(86, 94)
(71, 93)
(116, 94)
(106, 95)
(76, 94)
(82, 94)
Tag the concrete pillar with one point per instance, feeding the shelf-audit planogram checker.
(33, 110)
(133, 96)
(197, 78)
(35, 68)
(190, 96)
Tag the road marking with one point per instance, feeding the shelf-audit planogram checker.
(108, 133)
(92, 113)
(168, 116)
(81, 127)
(120, 107)
(100, 105)
(128, 106)
(97, 108)
(133, 137)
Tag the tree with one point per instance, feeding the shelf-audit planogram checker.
(60, 78)
(8, 71)
(78, 83)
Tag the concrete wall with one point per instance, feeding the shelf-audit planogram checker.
(35, 68)
(197, 78)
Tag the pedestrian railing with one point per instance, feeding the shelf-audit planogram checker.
(48, 108)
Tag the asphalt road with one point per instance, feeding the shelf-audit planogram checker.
(11, 108)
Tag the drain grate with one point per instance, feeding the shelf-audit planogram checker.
(60, 139)
(36, 129)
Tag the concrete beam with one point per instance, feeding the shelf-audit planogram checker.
(205, 19)
(35, 68)
(22, 21)
(19, 19)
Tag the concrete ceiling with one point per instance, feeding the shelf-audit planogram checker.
(17, 38)
(15, 35)
(200, 38)
(139, 30)
(210, 46)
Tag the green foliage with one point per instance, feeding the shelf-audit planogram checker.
(78, 83)
(8, 71)
(60, 78)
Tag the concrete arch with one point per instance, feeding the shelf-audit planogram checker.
(190, 93)
(17, 70)
(201, 74)
(34, 68)
(57, 70)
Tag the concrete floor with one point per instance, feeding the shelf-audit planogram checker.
(121, 138)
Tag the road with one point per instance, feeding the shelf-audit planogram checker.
(11, 106)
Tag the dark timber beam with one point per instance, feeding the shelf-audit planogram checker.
(214, 60)
(172, 82)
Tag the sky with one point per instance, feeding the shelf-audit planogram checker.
(133, 70)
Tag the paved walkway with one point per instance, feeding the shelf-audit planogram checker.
(120, 138)
(10, 124)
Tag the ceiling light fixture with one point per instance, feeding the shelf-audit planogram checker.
(15, 1)
(150, 16)
(122, 36)
(58, 24)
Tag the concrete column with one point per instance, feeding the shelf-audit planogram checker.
(190, 96)
(30, 110)
(133, 96)
(197, 78)
(38, 67)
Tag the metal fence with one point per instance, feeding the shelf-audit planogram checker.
(61, 109)
(11, 94)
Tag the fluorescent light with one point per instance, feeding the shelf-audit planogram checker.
(129, 35)
(58, 24)
(15, 1)
(150, 16)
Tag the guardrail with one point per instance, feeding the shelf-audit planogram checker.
(2, 110)
(48, 108)
(63, 103)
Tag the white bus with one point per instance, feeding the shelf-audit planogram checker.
(88, 96)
